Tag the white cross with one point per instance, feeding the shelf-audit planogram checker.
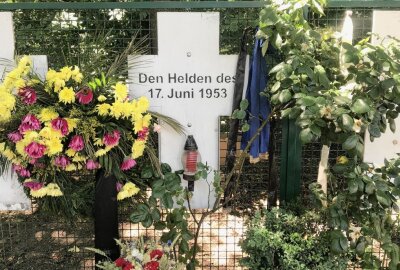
(188, 43)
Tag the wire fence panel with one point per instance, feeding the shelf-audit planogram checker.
(30, 241)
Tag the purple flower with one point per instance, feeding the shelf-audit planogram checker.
(33, 185)
(127, 164)
(21, 171)
(28, 95)
(118, 186)
(35, 150)
(62, 161)
(92, 165)
(29, 122)
(14, 136)
(76, 143)
(112, 139)
(60, 124)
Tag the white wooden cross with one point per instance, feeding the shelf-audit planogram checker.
(191, 82)
(12, 196)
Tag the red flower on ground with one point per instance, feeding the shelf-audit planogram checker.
(85, 95)
(156, 254)
(153, 265)
(60, 124)
(125, 264)
(28, 95)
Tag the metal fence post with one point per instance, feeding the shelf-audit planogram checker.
(290, 171)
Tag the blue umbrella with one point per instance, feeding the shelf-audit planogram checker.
(259, 107)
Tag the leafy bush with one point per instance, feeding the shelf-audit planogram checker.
(281, 239)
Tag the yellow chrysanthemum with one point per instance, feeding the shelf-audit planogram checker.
(65, 73)
(138, 148)
(78, 158)
(40, 193)
(143, 104)
(66, 95)
(127, 191)
(70, 167)
(103, 109)
(77, 75)
(121, 91)
(48, 114)
(101, 98)
(2, 147)
(58, 85)
(54, 146)
(9, 154)
(49, 133)
(98, 142)
(70, 152)
(53, 190)
(100, 152)
(72, 123)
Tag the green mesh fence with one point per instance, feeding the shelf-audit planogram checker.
(32, 242)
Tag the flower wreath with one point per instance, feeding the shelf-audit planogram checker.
(67, 123)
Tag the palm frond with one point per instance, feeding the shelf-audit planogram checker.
(6, 65)
(154, 159)
(169, 121)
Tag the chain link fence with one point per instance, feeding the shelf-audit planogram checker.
(31, 241)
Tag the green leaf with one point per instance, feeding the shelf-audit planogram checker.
(350, 143)
(241, 114)
(360, 248)
(392, 125)
(268, 17)
(347, 122)
(244, 104)
(341, 100)
(165, 168)
(353, 186)
(167, 201)
(306, 135)
(147, 172)
(140, 213)
(278, 41)
(370, 188)
(360, 106)
(277, 68)
(383, 198)
(285, 96)
(306, 101)
(388, 83)
(147, 222)
(316, 130)
(160, 225)
(155, 214)
(320, 74)
(245, 127)
(275, 87)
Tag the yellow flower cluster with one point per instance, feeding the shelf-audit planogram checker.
(138, 148)
(48, 114)
(121, 91)
(57, 80)
(51, 189)
(66, 95)
(127, 191)
(14, 79)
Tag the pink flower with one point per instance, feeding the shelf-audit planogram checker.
(76, 143)
(60, 124)
(29, 122)
(85, 95)
(142, 134)
(127, 164)
(28, 95)
(62, 161)
(92, 165)
(35, 150)
(21, 171)
(14, 136)
(118, 186)
(33, 185)
(112, 139)
(157, 128)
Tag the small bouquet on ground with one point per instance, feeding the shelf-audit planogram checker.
(69, 123)
(143, 255)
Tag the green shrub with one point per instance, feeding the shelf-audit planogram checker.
(281, 239)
